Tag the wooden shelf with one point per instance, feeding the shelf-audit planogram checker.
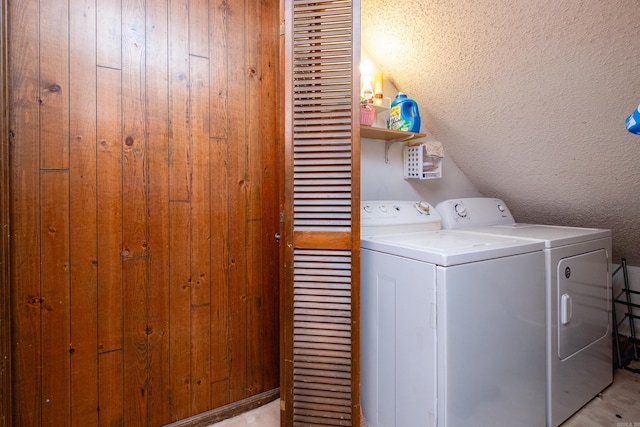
(388, 134)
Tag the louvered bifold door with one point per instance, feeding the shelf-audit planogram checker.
(320, 286)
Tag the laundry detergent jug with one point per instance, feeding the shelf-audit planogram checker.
(404, 114)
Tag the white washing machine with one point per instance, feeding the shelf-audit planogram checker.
(578, 289)
(452, 332)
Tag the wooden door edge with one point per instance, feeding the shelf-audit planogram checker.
(5, 314)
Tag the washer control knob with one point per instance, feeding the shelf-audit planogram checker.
(423, 207)
(501, 208)
(460, 210)
(383, 208)
(367, 208)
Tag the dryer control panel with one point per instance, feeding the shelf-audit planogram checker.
(473, 212)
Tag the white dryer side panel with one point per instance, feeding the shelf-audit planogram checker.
(398, 341)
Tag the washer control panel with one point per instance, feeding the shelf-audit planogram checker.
(396, 216)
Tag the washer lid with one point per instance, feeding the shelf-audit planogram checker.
(449, 247)
(552, 235)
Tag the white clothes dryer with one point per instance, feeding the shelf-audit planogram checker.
(578, 293)
(452, 332)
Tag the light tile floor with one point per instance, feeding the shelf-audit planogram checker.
(617, 406)
(265, 416)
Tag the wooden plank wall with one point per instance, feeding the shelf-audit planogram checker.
(144, 207)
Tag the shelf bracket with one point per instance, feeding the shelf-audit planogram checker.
(387, 144)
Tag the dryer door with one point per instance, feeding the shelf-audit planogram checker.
(582, 301)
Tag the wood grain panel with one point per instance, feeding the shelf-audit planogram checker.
(179, 142)
(326, 240)
(109, 33)
(157, 128)
(255, 327)
(200, 182)
(159, 166)
(55, 316)
(218, 49)
(134, 144)
(237, 202)
(136, 354)
(25, 213)
(109, 204)
(219, 393)
(83, 213)
(220, 212)
(254, 186)
(199, 28)
(180, 310)
(219, 273)
(111, 380)
(200, 359)
(54, 84)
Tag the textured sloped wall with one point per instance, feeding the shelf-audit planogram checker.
(529, 98)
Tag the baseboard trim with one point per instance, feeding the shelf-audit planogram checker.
(228, 411)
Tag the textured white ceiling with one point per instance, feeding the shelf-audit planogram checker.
(529, 98)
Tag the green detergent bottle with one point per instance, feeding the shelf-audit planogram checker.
(404, 114)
